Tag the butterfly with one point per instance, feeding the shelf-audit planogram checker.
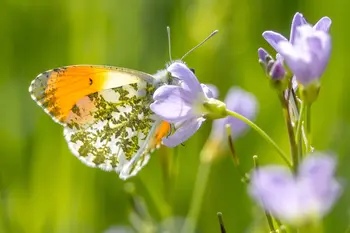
(105, 113)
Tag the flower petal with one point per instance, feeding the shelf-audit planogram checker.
(182, 72)
(273, 38)
(277, 71)
(309, 55)
(323, 24)
(165, 91)
(172, 103)
(242, 102)
(262, 53)
(210, 90)
(297, 21)
(319, 169)
(316, 176)
(321, 46)
(318, 166)
(184, 132)
(274, 188)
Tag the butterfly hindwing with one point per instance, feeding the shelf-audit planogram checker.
(119, 126)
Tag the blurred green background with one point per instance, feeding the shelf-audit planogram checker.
(44, 188)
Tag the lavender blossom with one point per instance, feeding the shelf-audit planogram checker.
(300, 198)
(181, 105)
(309, 55)
(240, 101)
(308, 50)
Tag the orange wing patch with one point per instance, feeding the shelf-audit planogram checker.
(58, 90)
(163, 130)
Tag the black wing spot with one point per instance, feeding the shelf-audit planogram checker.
(90, 80)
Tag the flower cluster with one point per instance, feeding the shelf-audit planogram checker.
(308, 193)
(306, 53)
(307, 190)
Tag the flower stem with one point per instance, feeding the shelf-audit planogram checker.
(298, 133)
(221, 222)
(291, 135)
(199, 190)
(281, 227)
(244, 177)
(262, 133)
(308, 127)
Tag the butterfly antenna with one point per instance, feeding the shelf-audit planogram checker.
(169, 42)
(194, 48)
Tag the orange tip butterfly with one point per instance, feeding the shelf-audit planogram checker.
(105, 112)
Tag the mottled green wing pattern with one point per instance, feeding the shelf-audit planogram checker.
(112, 129)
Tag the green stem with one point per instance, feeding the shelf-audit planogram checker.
(270, 221)
(221, 222)
(281, 227)
(244, 177)
(298, 135)
(306, 141)
(308, 127)
(262, 133)
(197, 197)
(291, 135)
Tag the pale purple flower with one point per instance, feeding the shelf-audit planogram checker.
(309, 55)
(181, 105)
(308, 50)
(239, 101)
(300, 198)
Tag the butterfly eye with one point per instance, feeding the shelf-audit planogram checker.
(193, 71)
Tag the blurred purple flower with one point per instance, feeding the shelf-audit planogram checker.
(308, 50)
(307, 196)
(181, 105)
(240, 101)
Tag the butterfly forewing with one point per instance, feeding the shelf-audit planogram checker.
(59, 89)
(105, 112)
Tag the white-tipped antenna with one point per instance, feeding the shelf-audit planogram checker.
(169, 43)
(208, 37)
